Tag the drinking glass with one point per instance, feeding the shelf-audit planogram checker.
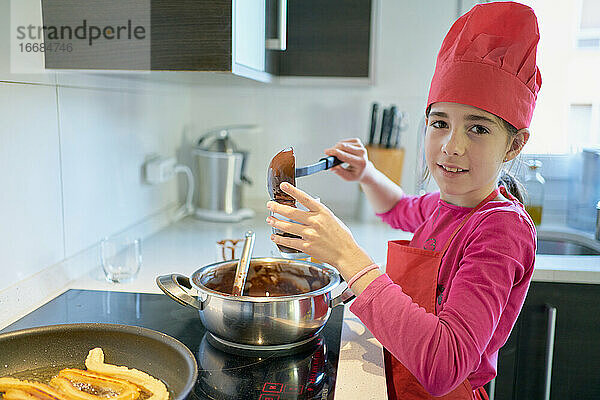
(121, 258)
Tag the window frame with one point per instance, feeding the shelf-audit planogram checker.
(585, 33)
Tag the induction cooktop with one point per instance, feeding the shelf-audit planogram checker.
(308, 372)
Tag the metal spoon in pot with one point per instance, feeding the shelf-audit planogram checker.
(242, 268)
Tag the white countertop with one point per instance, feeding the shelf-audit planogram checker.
(190, 243)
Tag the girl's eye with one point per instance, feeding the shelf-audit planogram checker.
(439, 124)
(480, 130)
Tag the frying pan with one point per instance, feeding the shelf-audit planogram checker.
(60, 346)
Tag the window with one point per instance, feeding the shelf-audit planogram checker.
(567, 118)
(580, 121)
(588, 35)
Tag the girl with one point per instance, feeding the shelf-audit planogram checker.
(450, 296)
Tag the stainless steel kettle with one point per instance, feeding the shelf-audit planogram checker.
(219, 169)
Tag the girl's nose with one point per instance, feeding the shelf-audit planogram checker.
(454, 143)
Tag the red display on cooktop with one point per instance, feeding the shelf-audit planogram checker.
(293, 389)
(269, 390)
(268, 397)
(273, 387)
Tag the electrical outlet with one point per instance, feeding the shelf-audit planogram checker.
(160, 169)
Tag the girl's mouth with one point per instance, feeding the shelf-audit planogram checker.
(447, 171)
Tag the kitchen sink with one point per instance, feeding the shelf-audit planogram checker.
(562, 243)
(565, 247)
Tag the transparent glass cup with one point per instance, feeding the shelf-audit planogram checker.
(229, 249)
(121, 258)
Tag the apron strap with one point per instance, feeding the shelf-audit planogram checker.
(483, 202)
(480, 394)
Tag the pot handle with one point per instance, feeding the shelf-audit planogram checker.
(176, 286)
(342, 298)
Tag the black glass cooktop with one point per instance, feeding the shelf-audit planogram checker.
(308, 373)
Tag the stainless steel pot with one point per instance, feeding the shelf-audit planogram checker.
(259, 321)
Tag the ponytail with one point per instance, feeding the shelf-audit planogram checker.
(512, 185)
(508, 180)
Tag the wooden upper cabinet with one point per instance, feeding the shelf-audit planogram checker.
(190, 35)
(321, 38)
(327, 39)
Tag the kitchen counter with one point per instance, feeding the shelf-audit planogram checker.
(188, 244)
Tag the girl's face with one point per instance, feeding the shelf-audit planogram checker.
(470, 139)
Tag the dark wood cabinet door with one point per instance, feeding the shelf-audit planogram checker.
(327, 39)
(576, 353)
(190, 35)
(507, 361)
(324, 38)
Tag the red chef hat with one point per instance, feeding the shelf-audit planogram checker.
(487, 60)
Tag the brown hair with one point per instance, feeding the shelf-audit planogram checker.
(506, 178)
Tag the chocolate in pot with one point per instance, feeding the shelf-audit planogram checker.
(268, 280)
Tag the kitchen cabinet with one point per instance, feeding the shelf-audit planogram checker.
(571, 314)
(185, 35)
(325, 39)
(258, 39)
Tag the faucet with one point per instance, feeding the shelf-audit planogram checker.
(598, 221)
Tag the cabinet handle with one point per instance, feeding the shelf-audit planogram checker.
(492, 393)
(280, 43)
(551, 311)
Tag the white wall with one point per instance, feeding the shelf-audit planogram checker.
(569, 76)
(313, 117)
(71, 151)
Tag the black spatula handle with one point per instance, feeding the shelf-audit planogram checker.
(331, 161)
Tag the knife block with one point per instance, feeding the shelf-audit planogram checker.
(388, 161)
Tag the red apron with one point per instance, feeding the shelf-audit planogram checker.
(416, 271)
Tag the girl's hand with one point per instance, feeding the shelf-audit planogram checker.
(352, 152)
(323, 235)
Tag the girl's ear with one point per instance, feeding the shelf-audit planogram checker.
(517, 143)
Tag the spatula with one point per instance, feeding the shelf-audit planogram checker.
(323, 164)
(242, 267)
(283, 169)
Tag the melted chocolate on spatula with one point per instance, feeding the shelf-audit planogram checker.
(282, 169)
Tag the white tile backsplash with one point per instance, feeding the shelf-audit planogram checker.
(31, 232)
(72, 157)
(105, 139)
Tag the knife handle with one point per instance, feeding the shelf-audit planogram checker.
(384, 122)
(331, 161)
(390, 127)
(374, 113)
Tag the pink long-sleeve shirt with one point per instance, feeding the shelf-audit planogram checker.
(482, 282)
